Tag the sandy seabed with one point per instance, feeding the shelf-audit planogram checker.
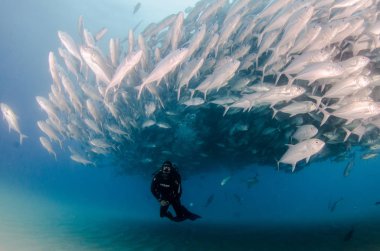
(32, 223)
(73, 233)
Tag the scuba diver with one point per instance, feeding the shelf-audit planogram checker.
(166, 188)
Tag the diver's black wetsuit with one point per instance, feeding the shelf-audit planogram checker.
(167, 187)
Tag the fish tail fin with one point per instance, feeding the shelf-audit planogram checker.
(262, 79)
(226, 108)
(251, 105)
(22, 136)
(179, 92)
(326, 116)
(192, 93)
(278, 77)
(274, 112)
(205, 94)
(107, 90)
(161, 103)
(348, 133)
(323, 88)
(360, 138)
(313, 90)
(317, 99)
(290, 80)
(140, 87)
(260, 38)
(263, 73)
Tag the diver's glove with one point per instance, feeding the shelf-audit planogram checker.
(164, 203)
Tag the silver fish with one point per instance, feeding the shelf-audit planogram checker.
(12, 120)
(82, 160)
(300, 151)
(305, 132)
(47, 145)
(69, 44)
(169, 63)
(126, 66)
(297, 108)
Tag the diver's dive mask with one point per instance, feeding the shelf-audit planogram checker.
(166, 169)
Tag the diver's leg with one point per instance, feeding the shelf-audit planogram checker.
(165, 213)
(180, 216)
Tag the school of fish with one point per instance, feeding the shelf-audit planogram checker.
(223, 84)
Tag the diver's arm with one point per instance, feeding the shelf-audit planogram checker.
(154, 188)
(178, 186)
(179, 190)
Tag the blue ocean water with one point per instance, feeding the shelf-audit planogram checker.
(48, 204)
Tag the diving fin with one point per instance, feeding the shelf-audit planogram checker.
(189, 215)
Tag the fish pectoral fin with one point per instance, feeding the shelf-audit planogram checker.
(22, 136)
